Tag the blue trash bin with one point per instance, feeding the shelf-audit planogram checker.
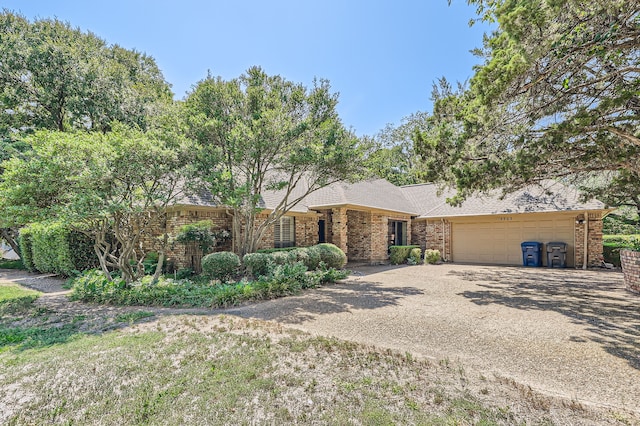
(531, 253)
(557, 255)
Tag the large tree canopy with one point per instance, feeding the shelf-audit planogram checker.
(114, 187)
(390, 153)
(56, 77)
(557, 95)
(260, 133)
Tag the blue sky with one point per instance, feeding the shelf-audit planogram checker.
(381, 56)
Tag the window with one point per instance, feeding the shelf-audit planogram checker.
(285, 232)
(397, 233)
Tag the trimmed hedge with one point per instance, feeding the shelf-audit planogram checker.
(222, 265)
(275, 250)
(257, 264)
(400, 254)
(54, 248)
(25, 239)
(331, 255)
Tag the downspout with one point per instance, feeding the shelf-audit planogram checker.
(586, 240)
(444, 253)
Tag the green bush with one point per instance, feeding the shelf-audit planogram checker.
(313, 259)
(285, 280)
(415, 256)
(183, 273)
(432, 256)
(257, 264)
(25, 240)
(54, 248)
(331, 255)
(221, 266)
(612, 244)
(400, 254)
(283, 257)
(275, 250)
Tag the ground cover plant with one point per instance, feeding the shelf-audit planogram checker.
(268, 276)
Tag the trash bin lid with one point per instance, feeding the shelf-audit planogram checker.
(556, 246)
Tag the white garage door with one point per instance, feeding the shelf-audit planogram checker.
(499, 242)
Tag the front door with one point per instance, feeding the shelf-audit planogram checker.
(321, 231)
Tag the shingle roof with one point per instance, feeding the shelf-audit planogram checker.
(423, 200)
(547, 197)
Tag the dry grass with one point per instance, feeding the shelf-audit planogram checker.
(121, 366)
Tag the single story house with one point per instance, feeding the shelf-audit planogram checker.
(367, 217)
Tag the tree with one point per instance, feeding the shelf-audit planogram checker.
(260, 133)
(391, 153)
(114, 187)
(557, 96)
(55, 77)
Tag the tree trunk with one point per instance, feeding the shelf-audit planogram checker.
(10, 235)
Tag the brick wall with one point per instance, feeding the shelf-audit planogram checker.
(631, 269)
(594, 240)
(189, 255)
(431, 234)
(359, 235)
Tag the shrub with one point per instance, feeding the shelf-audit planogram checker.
(274, 250)
(313, 259)
(221, 265)
(612, 244)
(415, 255)
(400, 254)
(53, 248)
(331, 255)
(93, 286)
(26, 248)
(283, 257)
(431, 256)
(257, 264)
(183, 273)
(201, 234)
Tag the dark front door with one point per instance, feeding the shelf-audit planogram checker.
(321, 231)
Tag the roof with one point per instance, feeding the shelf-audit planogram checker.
(423, 200)
(548, 196)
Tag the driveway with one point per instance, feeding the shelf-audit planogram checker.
(568, 333)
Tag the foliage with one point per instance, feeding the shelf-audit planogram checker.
(261, 133)
(415, 255)
(94, 286)
(183, 273)
(114, 186)
(390, 154)
(331, 255)
(56, 77)
(201, 233)
(432, 256)
(312, 257)
(26, 249)
(612, 244)
(556, 96)
(400, 254)
(257, 264)
(274, 250)
(221, 266)
(11, 264)
(283, 257)
(622, 221)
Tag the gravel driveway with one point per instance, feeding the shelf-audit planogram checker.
(568, 333)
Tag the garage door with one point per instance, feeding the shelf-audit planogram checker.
(499, 242)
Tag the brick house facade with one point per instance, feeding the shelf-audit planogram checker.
(365, 218)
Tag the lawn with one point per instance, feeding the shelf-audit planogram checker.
(127, 366)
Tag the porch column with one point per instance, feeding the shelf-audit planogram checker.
(339, 228)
